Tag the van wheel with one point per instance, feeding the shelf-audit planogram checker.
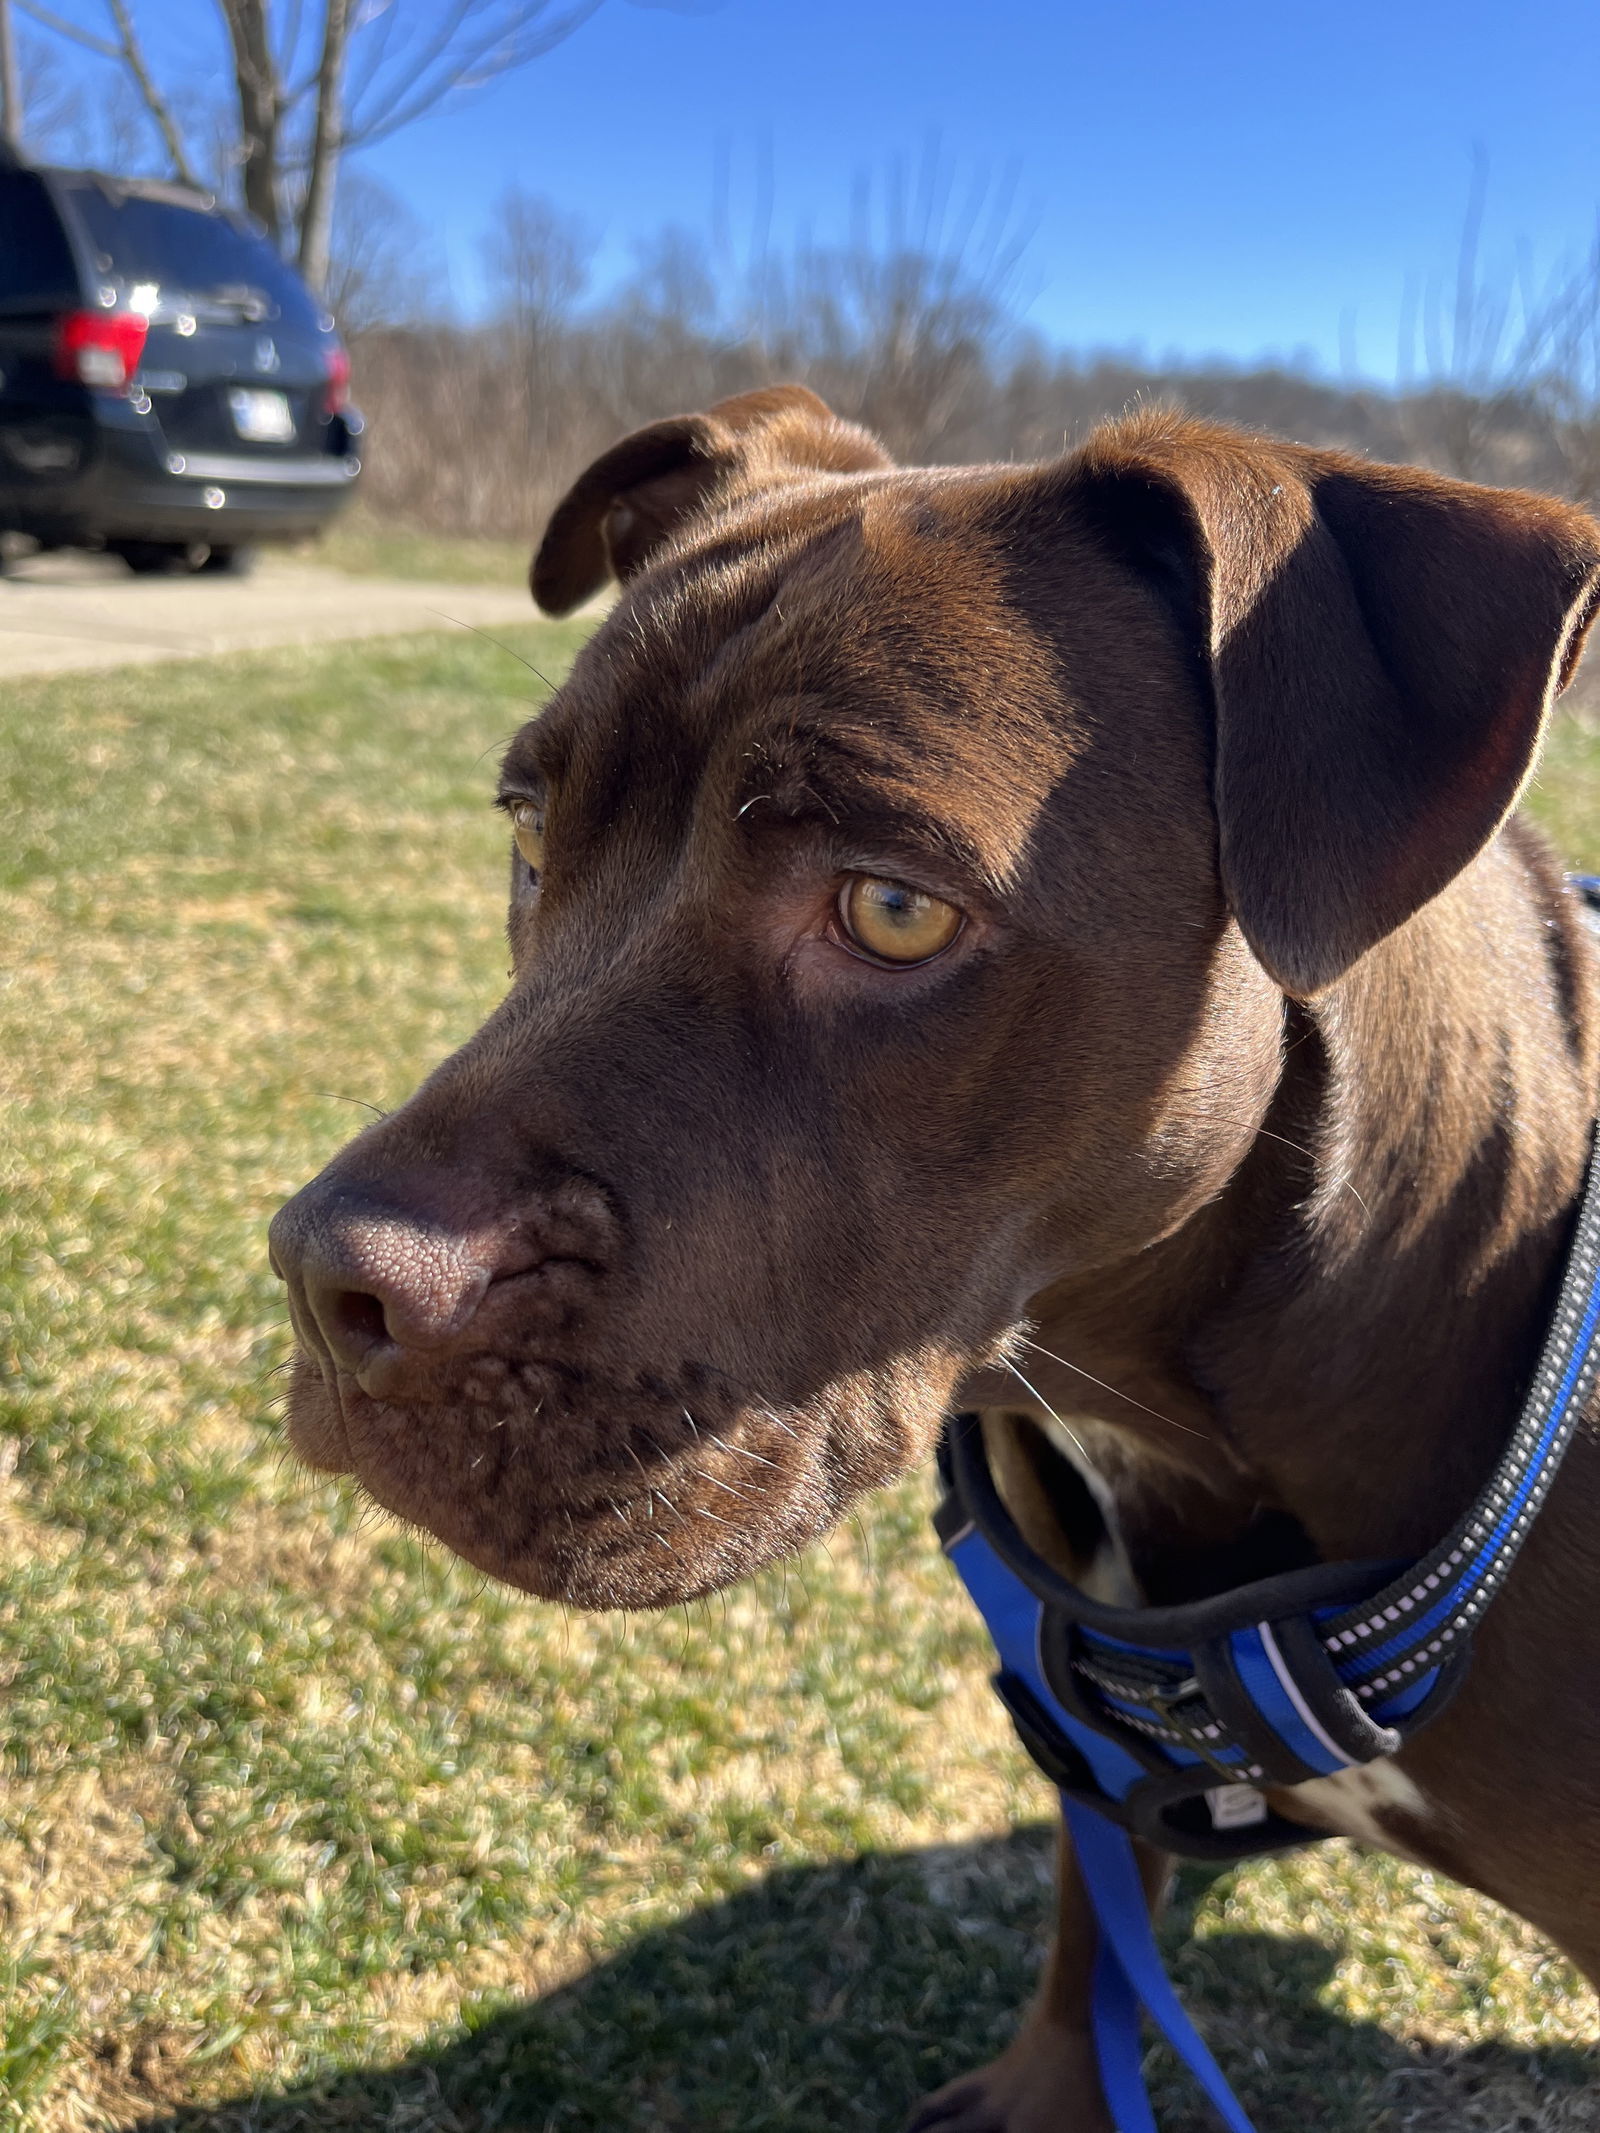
(152, 559)
(228, 562)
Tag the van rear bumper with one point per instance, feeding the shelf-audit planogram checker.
(322, 472)
(134, 488)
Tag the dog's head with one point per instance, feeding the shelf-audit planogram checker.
(906, 887)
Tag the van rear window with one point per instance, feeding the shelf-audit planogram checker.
(187, 250)
(36, 266)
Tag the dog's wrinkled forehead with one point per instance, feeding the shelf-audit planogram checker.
(829, 657)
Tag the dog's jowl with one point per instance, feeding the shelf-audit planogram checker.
(1076, 903)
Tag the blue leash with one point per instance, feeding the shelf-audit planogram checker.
(1128, 1974)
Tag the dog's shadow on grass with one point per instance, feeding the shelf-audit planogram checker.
(828, 1998)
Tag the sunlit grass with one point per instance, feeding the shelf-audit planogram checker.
(365, 544)
(301, 1825)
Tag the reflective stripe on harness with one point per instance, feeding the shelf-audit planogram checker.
(1166, 1722)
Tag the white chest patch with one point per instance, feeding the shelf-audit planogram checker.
(1359, 1803)
(1372, 1802)
(1109, 1578)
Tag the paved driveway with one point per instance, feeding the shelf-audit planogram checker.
(63, 611)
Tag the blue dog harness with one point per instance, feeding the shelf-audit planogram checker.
(1167, 1722)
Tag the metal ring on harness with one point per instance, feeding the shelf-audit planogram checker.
(1169, 1719)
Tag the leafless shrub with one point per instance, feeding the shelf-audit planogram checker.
(1477, 413)
(910, 327)
(1567, 387)
(383, 270)
(905, 326)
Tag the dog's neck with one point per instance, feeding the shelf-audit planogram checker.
(1349, 1328)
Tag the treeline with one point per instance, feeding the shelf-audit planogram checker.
(478, 428)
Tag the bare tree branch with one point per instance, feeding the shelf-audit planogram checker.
(288, 40)
(1567, 388)
(327, 141)
(10, 78)
(379, 67)
(1481, 348)
(49, 20)
(160, 110)
(260, 93)
(474, 43)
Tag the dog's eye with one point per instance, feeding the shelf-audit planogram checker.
(527, 826)
(894, 923)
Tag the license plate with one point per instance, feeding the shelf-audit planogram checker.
(261, 418)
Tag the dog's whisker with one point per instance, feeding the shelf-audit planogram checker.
(758, 1400)
(689, 1418)
(337, 1096)
(731, 1488)
(700, 1511)
(1115, 1390)
(1283, 1140)
(499, 647)
(1338, 1184)
(653, 1494)
(740, 1450)
(1344, 1185)
(504, 741)
(1270, 1133)
(1059, 1420)
(862, 1528)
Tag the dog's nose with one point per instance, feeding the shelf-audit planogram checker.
(398, 1275)
(371, 1285)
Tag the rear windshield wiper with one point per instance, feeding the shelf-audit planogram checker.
(229, 300)
(239, 298)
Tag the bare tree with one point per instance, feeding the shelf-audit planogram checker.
(1567, 388)
(10, 77)
(310, 85)
(124, 50)
(383, 268)
(537, 260)
(902, 322)
(1481, 341)
(327, 144)
(537, 257)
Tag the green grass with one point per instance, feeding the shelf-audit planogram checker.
(301, 1825)
(366, 546)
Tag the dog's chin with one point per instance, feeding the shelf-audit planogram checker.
(480, 1485)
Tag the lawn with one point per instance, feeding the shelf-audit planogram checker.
(364, 544)
(303, 1826)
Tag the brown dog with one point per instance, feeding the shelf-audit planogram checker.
(1063, 905)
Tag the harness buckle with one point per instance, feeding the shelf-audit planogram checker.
(1183, 1706)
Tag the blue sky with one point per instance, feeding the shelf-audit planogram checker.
(1240, 176)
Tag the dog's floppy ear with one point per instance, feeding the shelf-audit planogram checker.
(634, 497)
(1383, 646)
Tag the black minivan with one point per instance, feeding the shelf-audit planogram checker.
(170, 389)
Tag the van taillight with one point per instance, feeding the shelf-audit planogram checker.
(100, 347)
(336, 395)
